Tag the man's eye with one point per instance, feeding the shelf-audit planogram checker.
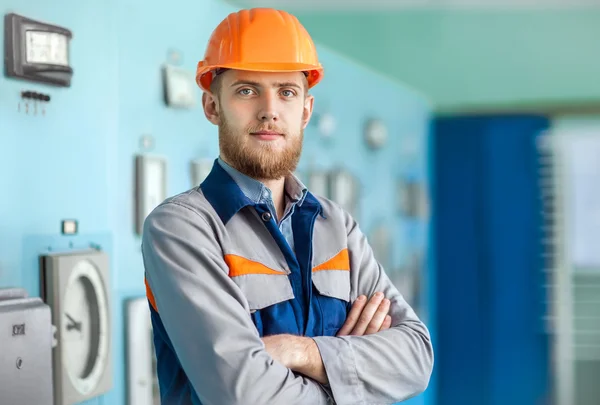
(245, 92)
(288, 93)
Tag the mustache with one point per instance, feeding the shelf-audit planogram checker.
(268, 127)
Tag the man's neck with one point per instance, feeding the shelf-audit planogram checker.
(277, 188)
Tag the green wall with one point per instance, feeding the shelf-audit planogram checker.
(474, 59)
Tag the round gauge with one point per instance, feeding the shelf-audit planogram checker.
(84, 334)
(326, 123)
(375, 133)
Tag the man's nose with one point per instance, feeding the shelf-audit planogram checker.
(268, 110)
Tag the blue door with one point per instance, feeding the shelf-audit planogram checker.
(491, 346)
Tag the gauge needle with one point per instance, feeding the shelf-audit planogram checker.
(74, 324)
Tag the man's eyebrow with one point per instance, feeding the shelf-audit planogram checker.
(245, 82)
(256, 84)
(287, 84)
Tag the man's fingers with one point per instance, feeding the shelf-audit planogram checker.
(378, 317)
(367, 314)
(352, 317)
(387, 323)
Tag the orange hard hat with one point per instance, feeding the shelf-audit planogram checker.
(263, 40)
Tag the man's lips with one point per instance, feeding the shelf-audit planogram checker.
(266, 135)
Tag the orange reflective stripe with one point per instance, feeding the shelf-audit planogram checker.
(341, 261)
(239, 266)
(150, 295)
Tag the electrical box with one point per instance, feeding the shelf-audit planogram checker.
(26, 338)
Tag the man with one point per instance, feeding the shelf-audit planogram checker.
(260, 292)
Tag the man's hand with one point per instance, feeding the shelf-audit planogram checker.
(366, 318)
(297, 353)
(301, 354)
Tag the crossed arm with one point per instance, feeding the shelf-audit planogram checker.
(227, 363)
(364, 363)
(301, 354)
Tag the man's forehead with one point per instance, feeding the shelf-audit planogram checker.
(264, 78)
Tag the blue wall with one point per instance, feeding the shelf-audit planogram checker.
(77, 160)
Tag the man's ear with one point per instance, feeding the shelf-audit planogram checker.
(210, 103)
(308, 110)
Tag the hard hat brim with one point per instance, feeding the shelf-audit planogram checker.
(204, 73)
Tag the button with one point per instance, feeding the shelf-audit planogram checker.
(266, 216)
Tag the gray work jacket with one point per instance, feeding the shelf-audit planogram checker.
(219, 276)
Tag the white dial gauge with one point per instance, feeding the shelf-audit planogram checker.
(84, 334)
(76, 287)
(326, 123)
(47, 47)
(376, 133)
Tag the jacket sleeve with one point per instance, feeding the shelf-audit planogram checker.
(207, 318)
(385, 367)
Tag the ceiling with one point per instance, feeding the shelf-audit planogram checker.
(466, 55)
(375, 5)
